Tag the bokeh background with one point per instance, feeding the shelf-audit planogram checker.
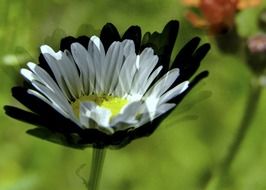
(181, 154)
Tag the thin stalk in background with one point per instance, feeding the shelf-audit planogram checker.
(97, 162)
(218, 178)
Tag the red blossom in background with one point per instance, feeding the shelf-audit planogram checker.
(218, 16)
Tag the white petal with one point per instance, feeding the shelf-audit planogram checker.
(86, 67)
(42, 76)
(70, 74)
(127, 49)
(99, 115)
(137, 62)
(54, 66)
(161, 109)
(151, 103)
(55, 106)
(153, 95)
(45, 49)
(163, 84)
(92, 75)
(126, 76)
(56, 99)
(113, 61)
(97, 53)
(174, 92)
(27, 74)
(80, 55)
(33, 78)
(128, 114)
(52, 96)
(147, 63)
(84, 115)
(96, 40)
(149, 81)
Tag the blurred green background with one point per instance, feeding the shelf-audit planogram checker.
(186, 148)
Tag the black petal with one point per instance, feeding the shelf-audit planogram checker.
(67, 41)
(54, 119)
(186, 52)
(120, 138)
(83, 40)
(133, 33)
(32, 102)
(192, 84)
(94, 137)
(43, 64)
(189, 58)
(163, 43)
(201, 52)
(24, 116)
(147, 129)
(99, 139)
(197, 79)
(69, 140)
(108, 35)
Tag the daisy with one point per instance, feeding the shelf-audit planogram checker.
(107, 90)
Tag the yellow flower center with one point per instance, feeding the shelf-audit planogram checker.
(114, 104)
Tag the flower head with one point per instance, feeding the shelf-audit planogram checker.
(107, 90)
(218, 15)
(256, 57)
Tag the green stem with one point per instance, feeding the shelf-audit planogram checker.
(252, 103)
(98, 156)
(251, 107)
